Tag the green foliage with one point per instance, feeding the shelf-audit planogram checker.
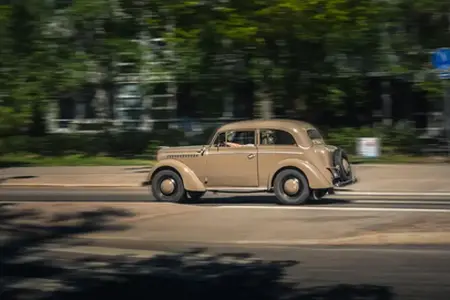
(400, 140)
(397, 140)
(288, 49)
(120, 144)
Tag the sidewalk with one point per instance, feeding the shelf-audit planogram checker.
(412, 178)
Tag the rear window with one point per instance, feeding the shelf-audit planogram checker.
(314, 134)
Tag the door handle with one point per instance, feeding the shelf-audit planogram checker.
(250, 156)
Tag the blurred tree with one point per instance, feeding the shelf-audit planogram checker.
(301, 56)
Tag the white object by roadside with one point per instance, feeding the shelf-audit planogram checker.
(368, 147)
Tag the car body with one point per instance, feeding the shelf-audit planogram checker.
(287, 157)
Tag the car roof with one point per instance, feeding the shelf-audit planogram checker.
(283, 124)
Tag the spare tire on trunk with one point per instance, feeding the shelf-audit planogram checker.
(340, 160)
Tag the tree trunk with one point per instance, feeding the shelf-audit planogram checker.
(101, 103)
(387, 102)
(52, 116)
(263, 106)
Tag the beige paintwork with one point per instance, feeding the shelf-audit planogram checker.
(252, 168)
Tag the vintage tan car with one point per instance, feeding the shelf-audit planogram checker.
(287, 157)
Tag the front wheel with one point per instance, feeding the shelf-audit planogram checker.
(291, 187)
(167, 186)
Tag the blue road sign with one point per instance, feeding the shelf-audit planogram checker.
(440, 59)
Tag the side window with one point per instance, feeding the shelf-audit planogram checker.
(235, 139)
(276, 137)
(241, 137)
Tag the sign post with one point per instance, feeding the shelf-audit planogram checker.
(440, 60)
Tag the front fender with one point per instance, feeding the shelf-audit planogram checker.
(190, 180)
(315, 178)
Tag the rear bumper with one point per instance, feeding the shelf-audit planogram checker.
(337, 180)
(338, 183)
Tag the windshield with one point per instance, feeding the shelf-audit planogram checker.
(211, 135)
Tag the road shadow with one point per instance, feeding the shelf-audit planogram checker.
(138, 169)
(267, 199)
(344, 190)
(23, 231)
(192, 274)
(5, 179)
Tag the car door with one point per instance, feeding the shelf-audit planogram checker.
(235, 167)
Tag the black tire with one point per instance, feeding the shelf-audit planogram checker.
(177, 196)
(295, 199)
(194, 196)
(339, 159)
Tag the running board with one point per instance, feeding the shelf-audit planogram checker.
(237, 190)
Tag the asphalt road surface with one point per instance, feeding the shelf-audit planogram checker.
(325, 273)
(257, 272)
(210, 199)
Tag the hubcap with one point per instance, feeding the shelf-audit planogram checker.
(291, 186)
(168, 186)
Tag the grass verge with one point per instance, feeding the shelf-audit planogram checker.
(400, 159)
(23, 160)
(18, 160)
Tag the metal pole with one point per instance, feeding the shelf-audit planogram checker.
(446, 84)
(387, 102)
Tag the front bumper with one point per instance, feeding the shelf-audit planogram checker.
(148, 180)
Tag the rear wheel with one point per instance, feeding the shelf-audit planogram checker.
(167, 186)
(318, 194)
(291, 187)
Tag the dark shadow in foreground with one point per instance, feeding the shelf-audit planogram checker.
(187, 275)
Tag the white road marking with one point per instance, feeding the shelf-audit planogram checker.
(412, 202)
(390, 194)
(334, 208)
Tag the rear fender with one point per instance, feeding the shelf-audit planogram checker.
(190, 180)
(315, 178)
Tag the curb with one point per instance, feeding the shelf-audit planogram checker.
(391, 194)
(398, 165)
(70, 185)
(386, 238)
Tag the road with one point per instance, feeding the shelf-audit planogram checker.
(139, 195)
(326, 273)
(350, 248)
